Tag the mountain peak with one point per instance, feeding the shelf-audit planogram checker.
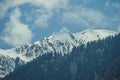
(63, 35)
(63, 30)
(61, 42)
(91, 35)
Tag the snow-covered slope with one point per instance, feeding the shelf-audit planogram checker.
(61, 43)
(9, 61)
(91, 35)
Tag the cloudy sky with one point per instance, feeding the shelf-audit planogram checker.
(27, 21)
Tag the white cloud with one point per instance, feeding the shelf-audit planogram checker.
(48, 4)
(112, 4)
(107, 3)
(7, 4)
(87, 1)
(116, 18)
(42, 21)
(44, 16)
(16, 33)
(118, 28)
(85, 17)
(116, 5)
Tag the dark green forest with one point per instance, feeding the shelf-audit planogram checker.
(98, 60)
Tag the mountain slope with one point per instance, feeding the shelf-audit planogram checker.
(91, 35)
(97, 60)
(60, 43)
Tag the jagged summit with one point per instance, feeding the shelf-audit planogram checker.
(62, 35)
(61, 42)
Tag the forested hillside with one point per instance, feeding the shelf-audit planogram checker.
(98, 60)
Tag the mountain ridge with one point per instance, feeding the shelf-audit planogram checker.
(97, 60)
(61, 43)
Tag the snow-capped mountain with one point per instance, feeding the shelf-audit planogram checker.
(61, 43)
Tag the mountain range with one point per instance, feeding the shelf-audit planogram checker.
(61, 42)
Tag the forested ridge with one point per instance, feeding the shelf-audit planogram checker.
(98, 60)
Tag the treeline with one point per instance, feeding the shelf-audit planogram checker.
(98, 60)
